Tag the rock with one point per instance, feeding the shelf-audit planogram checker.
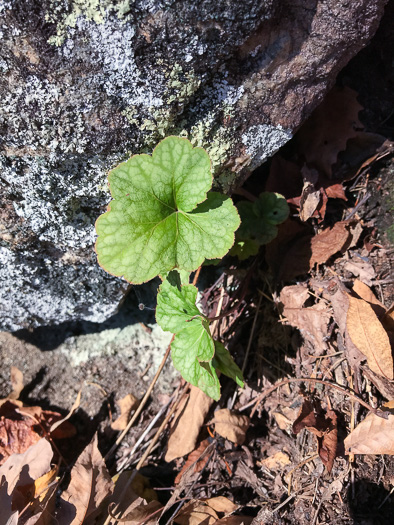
(86, 83)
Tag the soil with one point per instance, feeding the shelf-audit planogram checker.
(121, 356)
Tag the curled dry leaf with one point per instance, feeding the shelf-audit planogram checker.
(231, 425)
(90, 485)
(369, 336)
(188, 422)
(323, 425)
(22, 470)
(127, 404)
(374, 435)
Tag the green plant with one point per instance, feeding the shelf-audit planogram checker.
(164, 220)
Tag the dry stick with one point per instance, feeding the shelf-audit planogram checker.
(322, 382)
(147, 452)
(301, 464)
(196, 275)
(248, 347)
(142, 404)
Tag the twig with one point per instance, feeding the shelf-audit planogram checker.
(147, 452)
(142, 404)
(304, 462)
(269, 391)
(249, 346)
(196, 276)
(358, 206)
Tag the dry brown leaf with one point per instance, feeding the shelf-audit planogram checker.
(142, 512)
(188, 423)
(235, 520)
(277, 461)
(294, 296)
(329, 242)
(21, 470)
(221, 504)
(194, 458)
(361, 269)
(388, 319)
(369, 336)
(90, 485)
(16, 433)
(365, 292)
(282, 421)
(323, 425)
(127, 404)
(231, 425)
(17, 383)
(374, 435)
(196, 513)
(42, 483)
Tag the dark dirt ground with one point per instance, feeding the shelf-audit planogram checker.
(122, 355)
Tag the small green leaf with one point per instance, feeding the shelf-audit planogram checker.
(193, 348)
(162, 216)
(259, 223)
(176, 306)
(225, 363)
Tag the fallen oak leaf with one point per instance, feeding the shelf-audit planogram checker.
(374, 435)
(231, 425)
(89, 487)
(369, 336)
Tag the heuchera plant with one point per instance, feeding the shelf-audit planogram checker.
(163, 220)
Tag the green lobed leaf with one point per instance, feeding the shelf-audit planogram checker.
(225, 363)
(259, 221)
(162, 216)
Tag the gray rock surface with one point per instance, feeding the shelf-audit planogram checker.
(86, 83)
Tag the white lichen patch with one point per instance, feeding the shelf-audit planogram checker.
(60, 200)
(263, 141)
(145, 342)
(47, 289)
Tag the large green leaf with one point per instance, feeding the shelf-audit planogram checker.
(161, 216)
